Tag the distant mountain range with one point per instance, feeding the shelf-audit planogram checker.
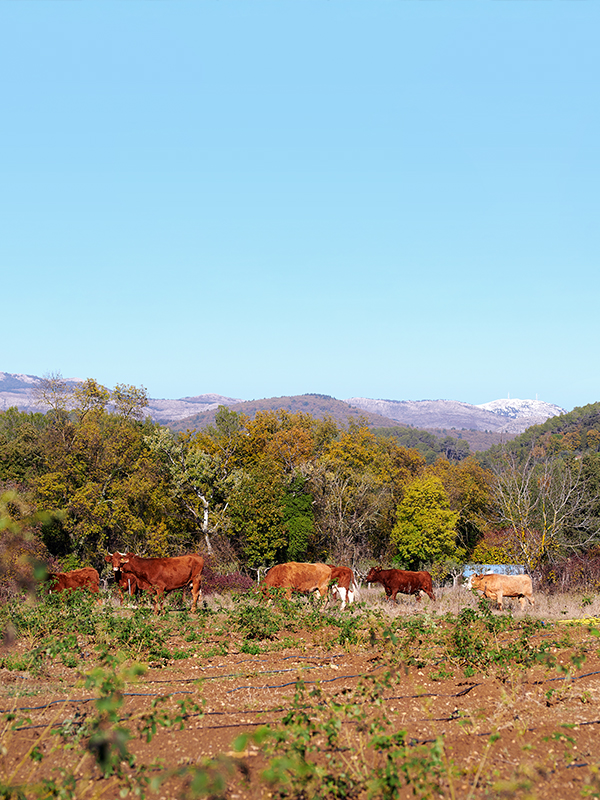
(498, 416)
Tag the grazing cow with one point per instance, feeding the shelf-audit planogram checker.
(161, 574)
(496, 587)
(401, 580)
(86, 578)
(299, 577)
(346, 586)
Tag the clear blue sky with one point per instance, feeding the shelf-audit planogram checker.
(390, 199)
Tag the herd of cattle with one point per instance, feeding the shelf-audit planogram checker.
(163, 575)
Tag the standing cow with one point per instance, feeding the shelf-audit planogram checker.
(125, 583)
(85, 578)
(403, 581)
(495, 587)
(299, 577)
(161, 575)
(345, 584)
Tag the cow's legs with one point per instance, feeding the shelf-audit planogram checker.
(160, 598)
(196, 593)
(321, 592)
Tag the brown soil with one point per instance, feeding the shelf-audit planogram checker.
(535, 755)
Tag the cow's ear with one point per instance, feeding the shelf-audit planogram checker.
(108, 559)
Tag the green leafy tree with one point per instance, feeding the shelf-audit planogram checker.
(99, 472)
(192, 474)
(257, 513)
(425, 525)
(21, 446)
(298, 520)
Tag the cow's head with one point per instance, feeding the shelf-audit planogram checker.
(372, 575)
(117, 558)
(474, 582)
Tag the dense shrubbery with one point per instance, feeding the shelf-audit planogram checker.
(214, 582)
(579, 572)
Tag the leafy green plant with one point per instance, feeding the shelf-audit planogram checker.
(139, 635)
(311, 752)
(349, 631)
(256, 620)
(252, 648)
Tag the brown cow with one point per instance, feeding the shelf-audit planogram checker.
(495, 586)
(125, 583)
(346, 586)
(161, 574)
(85, 578)
(401, 580)
(299, 577)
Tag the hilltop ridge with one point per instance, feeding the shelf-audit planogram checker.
(509, 416)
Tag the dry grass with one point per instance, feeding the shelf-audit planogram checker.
(452, 599)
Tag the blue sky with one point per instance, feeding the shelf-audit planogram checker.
(386, 198)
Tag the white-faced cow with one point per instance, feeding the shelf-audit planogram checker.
(161, 575)
(85, 578)
(298, 577)
(344, 584)
(403, 581)
(496, 587)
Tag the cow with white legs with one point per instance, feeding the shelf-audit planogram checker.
(343, 585)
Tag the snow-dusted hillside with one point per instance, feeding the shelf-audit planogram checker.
(522, 409)
(498, 416)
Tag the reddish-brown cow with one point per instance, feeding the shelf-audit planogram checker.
(299, 577)
(85, 578)
(345, 586)
(161, 574)
(401, 580)
(125, 583)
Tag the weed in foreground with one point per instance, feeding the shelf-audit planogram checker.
(346, 746)
(99, 744)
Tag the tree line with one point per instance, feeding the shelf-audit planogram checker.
(287, 487)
